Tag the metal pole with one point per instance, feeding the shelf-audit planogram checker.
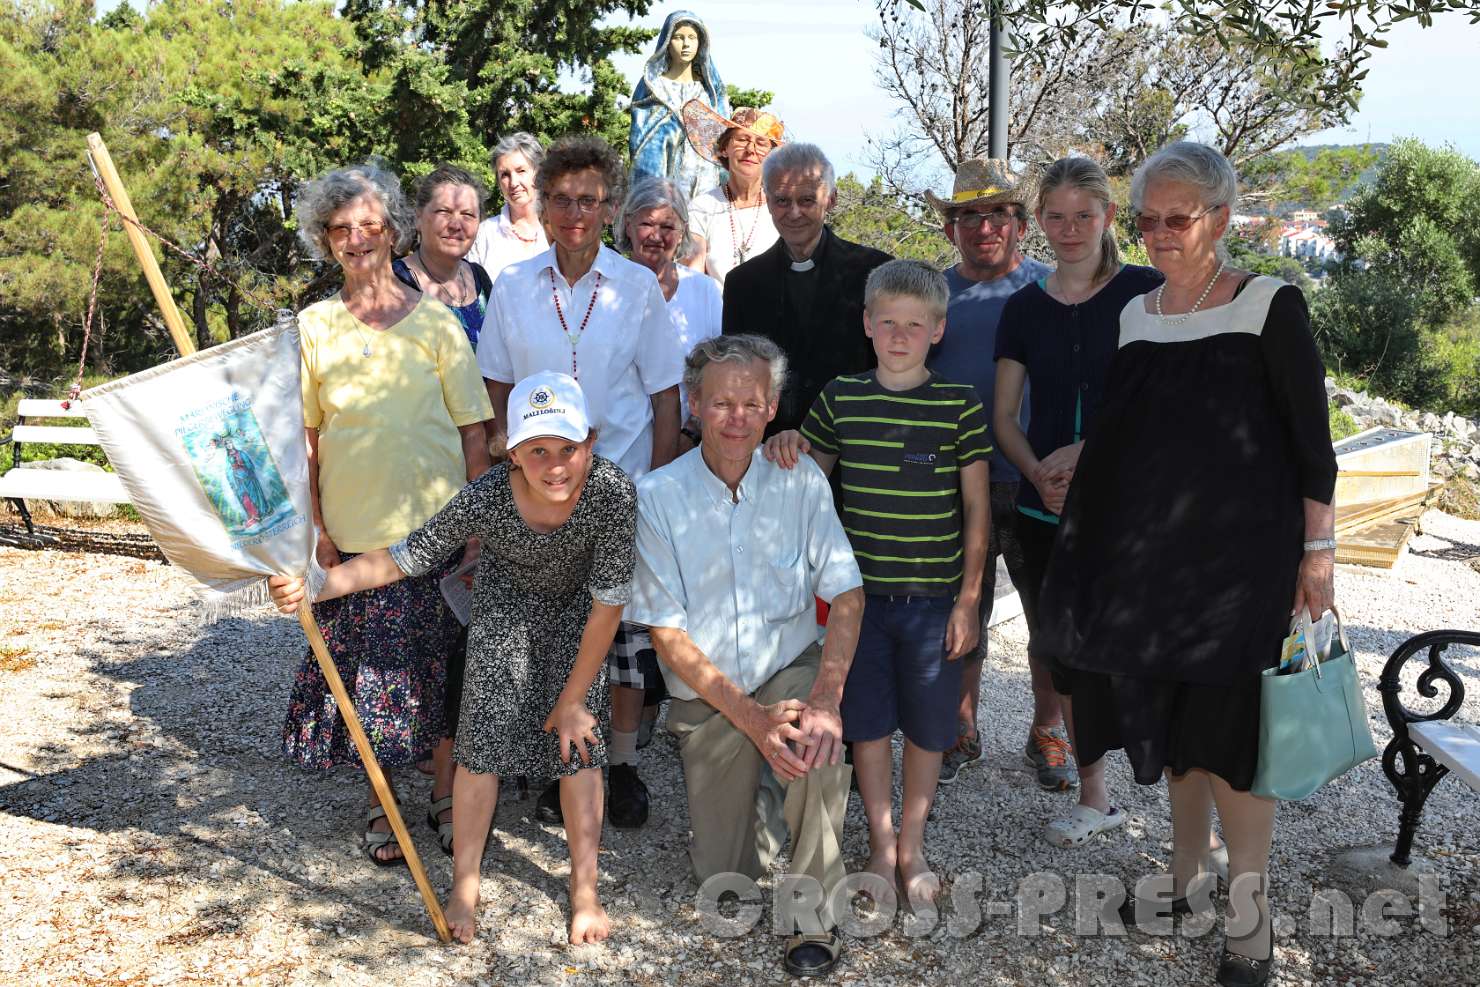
(1000, 71)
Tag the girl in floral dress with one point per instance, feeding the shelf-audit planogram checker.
(556, 524)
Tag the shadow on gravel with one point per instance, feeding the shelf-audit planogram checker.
(195, 759)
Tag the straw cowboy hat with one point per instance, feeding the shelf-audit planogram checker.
(705, 127)
(984, 181)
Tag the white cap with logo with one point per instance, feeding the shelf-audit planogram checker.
(547, 403)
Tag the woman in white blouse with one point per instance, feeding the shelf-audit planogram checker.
(731, 223)
(654, 230)
(515, 231)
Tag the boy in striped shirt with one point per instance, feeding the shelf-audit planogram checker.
(911, 449)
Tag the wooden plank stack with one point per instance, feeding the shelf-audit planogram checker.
(1382, 488)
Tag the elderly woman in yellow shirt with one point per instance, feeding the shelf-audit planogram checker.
(392, 406)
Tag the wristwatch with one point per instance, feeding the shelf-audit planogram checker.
(1320, 545)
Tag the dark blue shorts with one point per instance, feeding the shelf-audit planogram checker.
(900, 679)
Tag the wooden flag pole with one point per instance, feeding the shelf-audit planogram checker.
(102, 163)
(372, 767)
(185, 343)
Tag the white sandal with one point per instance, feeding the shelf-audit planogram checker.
(1081, 824)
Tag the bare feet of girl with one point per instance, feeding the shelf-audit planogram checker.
(461, 910)
(588, 921)
(921, 885)
(882, 862)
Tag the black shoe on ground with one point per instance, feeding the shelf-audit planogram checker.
(626, 798)
(1240, 971)
(812, 955)
(547, 809)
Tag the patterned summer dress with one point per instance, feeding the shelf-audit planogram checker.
(531, 599)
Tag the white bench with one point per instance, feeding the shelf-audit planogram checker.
(1454, 745)
(1426, 746)
(22, 483)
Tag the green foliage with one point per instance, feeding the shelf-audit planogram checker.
(1341, 423)
(1400, 308)
(758, 98)
(871, 215)
(1312, 178)
(215, 113)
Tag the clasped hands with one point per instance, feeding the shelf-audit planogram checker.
(794, 736)
(1052, 475)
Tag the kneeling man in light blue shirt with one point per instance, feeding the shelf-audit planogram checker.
(732, 550)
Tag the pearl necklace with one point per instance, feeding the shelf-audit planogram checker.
(1177, 320)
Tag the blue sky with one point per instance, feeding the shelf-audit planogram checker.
(814, 55)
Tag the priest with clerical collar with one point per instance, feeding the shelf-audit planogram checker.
(806, 292)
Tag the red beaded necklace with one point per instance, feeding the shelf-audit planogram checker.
(741, 249)
(573, 337)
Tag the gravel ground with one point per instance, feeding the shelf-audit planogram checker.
(150, 832)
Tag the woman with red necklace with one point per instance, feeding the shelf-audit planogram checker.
(730, 223)
(515, 232)
(583, 309)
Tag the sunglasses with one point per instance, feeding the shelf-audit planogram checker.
(998, 218)
(370, 229)
(1179, 223)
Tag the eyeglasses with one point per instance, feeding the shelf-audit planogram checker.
(587, 204)
(741, 141)
(998, 218)
(370, 229)
(1179, 223)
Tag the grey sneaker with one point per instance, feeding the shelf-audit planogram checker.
(968, 750)
(1047, 751)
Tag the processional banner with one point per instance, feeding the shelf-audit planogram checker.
(211, 451)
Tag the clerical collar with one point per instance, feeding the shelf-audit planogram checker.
(818, 253)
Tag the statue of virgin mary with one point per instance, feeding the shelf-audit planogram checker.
(680, 69)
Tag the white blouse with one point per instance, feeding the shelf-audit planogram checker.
(732, 235)
(498, 244)
(626, 353)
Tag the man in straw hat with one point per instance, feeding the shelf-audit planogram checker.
(806, 292)
(730, 222)
(985, 216)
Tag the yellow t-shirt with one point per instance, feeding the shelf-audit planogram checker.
(389, 451)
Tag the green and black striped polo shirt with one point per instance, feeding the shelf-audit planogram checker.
(900, 455)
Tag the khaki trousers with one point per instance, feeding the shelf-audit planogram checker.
(731, 815)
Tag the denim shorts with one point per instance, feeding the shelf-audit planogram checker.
(900, 679)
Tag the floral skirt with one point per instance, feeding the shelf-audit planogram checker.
(390, 646)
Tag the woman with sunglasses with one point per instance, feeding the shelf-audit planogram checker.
(731, 221)
(388, 378)
(1199, 519)
(581, 308)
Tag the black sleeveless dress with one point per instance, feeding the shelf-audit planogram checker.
(1172, 579)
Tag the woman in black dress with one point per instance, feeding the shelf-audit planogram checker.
(1199, 519)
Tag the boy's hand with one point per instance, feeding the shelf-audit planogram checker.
(574, 726)
(963, 629)
(823, 728)
(786, 449)
(286, 591)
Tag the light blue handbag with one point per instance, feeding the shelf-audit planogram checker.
(1312, 723)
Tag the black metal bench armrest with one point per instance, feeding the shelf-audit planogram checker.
(1414, 773)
